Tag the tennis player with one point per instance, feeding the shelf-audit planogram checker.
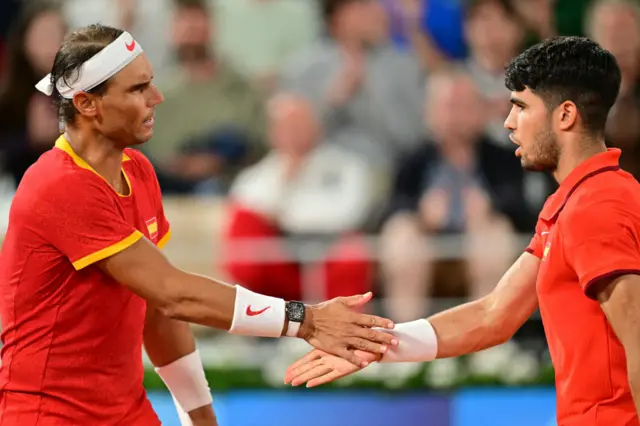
(582, 267)
(83, 284)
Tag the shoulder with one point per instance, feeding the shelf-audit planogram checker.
(607, 206)
(64, 192)
(139, 161)
(606, 192)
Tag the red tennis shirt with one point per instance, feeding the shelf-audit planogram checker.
(72, 336)
(588, 230)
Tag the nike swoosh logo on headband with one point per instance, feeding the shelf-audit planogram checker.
(131, 46)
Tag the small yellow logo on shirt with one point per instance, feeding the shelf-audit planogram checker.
(547, 248)
(152, 228)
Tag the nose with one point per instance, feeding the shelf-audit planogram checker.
(510, 122)
(156, 96)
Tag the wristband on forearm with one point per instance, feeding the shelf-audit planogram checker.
(187, 383)
(257, 315)
(417, 342)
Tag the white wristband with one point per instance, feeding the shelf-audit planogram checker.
(257, 315)
(417, 342)
(186, 382)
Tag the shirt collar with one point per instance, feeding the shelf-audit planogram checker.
(603, 162)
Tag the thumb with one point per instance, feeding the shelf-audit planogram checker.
(358, 300)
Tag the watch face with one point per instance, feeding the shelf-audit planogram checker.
(295, 311)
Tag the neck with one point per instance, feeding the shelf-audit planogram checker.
(99, 152)
(571, 159)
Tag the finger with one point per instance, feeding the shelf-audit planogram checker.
(303, 369)
(358, 300)
(311, 356)
(366, 346)
(368, 356)
(372, 321)
(351, 357)
(327, 378)
(318, 371)
(374, 335)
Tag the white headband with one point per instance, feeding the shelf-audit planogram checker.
(103, 65)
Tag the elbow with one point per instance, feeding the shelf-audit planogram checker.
(170, 300)
(497, 322)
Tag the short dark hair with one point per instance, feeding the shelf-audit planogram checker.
(77, 48)
(569, 68)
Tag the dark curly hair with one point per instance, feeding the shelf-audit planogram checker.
(79, 46)
(569, 69)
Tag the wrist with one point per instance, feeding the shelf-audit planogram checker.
(257, 315)
(418, 342)
(307, 327)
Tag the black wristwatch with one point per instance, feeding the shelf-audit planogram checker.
(295, 312)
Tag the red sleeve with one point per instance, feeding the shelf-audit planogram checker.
(602, 242)
(164, 229)
(535, 245)
(81, 219)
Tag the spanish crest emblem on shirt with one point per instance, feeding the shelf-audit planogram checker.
(152, 228)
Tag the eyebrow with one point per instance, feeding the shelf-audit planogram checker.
(518, 101)
(140, 85)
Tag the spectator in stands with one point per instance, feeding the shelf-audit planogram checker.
(305, 188)
(368, 93)
(258, 37)
(147, 20)
(494, 36)
(457, 184)
(28, 120)
(212, 120)
(615, 24)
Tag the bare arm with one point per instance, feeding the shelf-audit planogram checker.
(183, 296)
(175, 293)
(461, 330)
(620, 301)
(167, 340)
(493, 319)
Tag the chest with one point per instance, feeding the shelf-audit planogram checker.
(558, 287)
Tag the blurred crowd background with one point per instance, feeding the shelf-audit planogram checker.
(309, 149)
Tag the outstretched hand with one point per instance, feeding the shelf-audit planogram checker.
(335, 327)
(318, 367)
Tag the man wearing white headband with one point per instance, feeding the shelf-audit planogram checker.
(83, 285)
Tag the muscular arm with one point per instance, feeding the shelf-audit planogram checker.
(167, 340)
(494, 319)
(175, 293)
(620, 301)
(461, 330)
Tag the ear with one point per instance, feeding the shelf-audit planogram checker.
(567, 113)
(85, 104)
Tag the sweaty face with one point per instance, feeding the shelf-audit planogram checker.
(125, 111)
(530, 125)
